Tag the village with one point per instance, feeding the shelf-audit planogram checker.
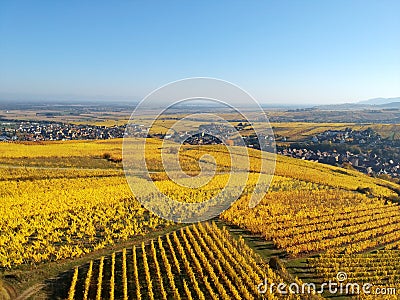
(365, 151)
(50, 131)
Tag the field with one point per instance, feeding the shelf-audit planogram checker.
(313, 217)
(197, 262)
(299, 131)
(65, 205)
(296, 125)
(379, 267)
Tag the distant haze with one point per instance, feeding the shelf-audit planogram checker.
(380, 101)
(98, 100)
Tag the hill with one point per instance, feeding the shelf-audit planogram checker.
(66, 203)
(379, 101)
(376, 103)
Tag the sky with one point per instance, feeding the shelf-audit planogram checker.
(300, 52)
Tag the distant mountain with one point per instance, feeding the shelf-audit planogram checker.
(343, 106)
(390, 105)
(376, 103)
(379, 101)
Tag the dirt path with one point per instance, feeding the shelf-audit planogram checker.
(31, 291)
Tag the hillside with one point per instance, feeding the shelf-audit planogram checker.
(66, 203)
(379, 101)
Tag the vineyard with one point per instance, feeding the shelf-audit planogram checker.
(312, 208)
(50, 219)
(51, 213)
(379, 269)
(197, 262)
(334, 221)
(68, 203)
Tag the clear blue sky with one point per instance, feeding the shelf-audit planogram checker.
(279, 51)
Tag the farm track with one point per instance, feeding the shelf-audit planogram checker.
(30, 291)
